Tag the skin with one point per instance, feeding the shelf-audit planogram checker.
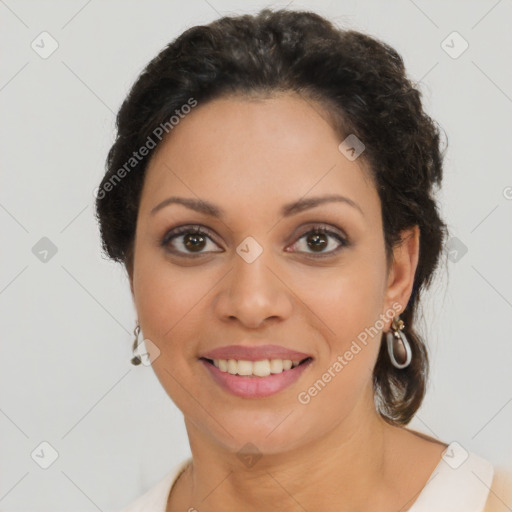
(250, 157)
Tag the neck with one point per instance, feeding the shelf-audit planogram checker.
(353, 458)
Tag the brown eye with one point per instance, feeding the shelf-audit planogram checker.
(188, 241)
(318, 240)
(194, 241)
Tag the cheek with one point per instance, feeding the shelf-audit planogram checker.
(169, 305)
(349, 309)
(164, 298)
(346, 299)
(168, 302)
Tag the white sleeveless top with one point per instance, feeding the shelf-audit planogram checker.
(459, 483)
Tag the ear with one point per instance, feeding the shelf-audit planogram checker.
(403, 269)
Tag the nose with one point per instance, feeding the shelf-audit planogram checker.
(253, 293)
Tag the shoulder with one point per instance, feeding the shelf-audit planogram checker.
(500, 494)
(460, 482)
(155, 499)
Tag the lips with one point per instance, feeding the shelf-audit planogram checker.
(254, 353)
(251, 387)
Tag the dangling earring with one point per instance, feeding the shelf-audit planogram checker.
(398, 344)
(136, 360)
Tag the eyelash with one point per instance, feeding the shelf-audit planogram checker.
(199, 230)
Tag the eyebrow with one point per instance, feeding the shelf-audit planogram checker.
(207, 208)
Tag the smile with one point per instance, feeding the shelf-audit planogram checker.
(261, 368)
(255, 379)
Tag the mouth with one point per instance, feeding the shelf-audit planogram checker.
(255, 379)
(255, 369)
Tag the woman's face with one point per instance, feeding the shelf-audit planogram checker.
(258, 275)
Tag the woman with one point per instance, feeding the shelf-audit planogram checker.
(271, 194)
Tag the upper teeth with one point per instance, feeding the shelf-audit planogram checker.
(261, 368)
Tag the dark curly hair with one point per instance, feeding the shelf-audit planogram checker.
(358, 82)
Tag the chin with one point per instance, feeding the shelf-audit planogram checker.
(259, 433)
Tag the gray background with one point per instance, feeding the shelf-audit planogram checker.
(67, 321)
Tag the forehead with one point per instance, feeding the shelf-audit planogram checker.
(254, 152)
